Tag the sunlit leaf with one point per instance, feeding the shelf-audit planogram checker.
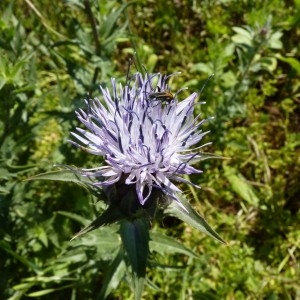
(62, 175)
(293, 62)
(243, 36)
(162, 244)
(187, 214)
(47, 291)
(274, 41)
(241, 186)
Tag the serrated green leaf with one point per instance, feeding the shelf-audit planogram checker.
(187, 214)
(162, 243)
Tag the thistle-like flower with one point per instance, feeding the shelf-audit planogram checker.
(144, 137)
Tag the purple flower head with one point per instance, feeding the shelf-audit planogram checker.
(145, 139)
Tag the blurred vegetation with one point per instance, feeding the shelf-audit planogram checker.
(54, 54)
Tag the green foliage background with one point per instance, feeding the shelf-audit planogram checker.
(54, 54)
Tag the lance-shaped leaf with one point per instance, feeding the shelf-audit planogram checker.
(241, 186)
(135, 238)
(162, 244)
(187, 214)
(69, 175)
(114, 275)
(111, 215)
(74, 175)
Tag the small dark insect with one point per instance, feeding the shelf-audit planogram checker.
(161, 96)
(158, 95)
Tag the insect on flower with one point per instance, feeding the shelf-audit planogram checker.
(161, 92)
(146, 145)
(161, 95)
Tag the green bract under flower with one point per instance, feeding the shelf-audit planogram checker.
(143, 139)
